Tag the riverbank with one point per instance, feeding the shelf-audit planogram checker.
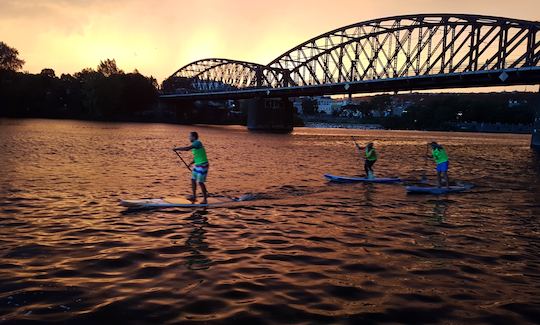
(383, 123)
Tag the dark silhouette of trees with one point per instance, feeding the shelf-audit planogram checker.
(309, 106)
(48, 72)
(441, 111)
(108, 68)
(9, 59)
(106, 93)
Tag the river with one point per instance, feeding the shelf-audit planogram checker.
(302, 252)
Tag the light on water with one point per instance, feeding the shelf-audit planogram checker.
(301, 250)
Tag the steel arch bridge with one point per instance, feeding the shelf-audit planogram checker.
(426, 51)
(214, 74)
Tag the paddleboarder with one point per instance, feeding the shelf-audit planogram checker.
(441, 159)
(370, 158)
(200, 171)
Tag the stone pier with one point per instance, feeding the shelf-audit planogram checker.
(269, 114)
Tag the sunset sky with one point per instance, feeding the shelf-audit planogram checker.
(158, 37)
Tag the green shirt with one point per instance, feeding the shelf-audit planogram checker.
(371, 155)
(199, 153)
(439, 155)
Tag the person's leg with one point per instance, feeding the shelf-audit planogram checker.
(366, 167)
(371, 168)
(204, 192)
(193, 189)
(439, 179)
(446, 179)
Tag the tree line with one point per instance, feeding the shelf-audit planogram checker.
(444, 111)
(440, 111)
(103, 93)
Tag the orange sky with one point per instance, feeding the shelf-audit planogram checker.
(158, 37)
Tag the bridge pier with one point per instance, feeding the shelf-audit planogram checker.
(269, 114)
(535, 137)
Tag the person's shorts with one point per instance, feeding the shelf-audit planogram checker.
(370, 163)
(199, 173)
(442, 167)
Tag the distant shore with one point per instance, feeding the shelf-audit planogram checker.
(330, 125)
(349, 123)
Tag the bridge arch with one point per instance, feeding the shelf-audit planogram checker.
(413, 45)
(216, 74)
(389, 48)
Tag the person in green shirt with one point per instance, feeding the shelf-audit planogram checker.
(370, 159)
(200, 171)
(441, 159)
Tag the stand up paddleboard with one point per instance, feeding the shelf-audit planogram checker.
(351, 179)
(438, 190)
(173, 203)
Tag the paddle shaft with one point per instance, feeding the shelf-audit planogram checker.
(187, 166)
(356, 144)
(424, 177)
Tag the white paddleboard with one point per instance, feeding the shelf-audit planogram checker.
(173, 202)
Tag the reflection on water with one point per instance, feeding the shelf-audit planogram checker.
(302, 251)
(439, 210)
(196, 242)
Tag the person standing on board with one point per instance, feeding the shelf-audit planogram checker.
(200, 171)
(441, 159)
(370, 159)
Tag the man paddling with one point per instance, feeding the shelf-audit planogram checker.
(370, 159)
(441, 159)
(200, 171)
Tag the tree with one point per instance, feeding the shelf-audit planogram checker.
(9, 58)
(381, 102)
(108, 68)
(309, 106)
(48, 73)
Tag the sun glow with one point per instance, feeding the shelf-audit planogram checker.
(159, 38)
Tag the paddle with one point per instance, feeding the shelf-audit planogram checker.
(187, 166)
(356, 144)
(424, 179)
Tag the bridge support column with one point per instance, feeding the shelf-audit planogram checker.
(269, 114)
(535, 138)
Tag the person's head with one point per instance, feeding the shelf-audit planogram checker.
(370, 145)
(193, 136)
(434, 145)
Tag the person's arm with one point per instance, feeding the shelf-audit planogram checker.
(370, 153)
(435, 154)
(183, 148)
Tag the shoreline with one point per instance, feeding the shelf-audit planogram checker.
(308, 124)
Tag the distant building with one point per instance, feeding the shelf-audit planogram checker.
(297, 104)
(325, 104)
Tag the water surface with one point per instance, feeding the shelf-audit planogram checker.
(304, 252)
